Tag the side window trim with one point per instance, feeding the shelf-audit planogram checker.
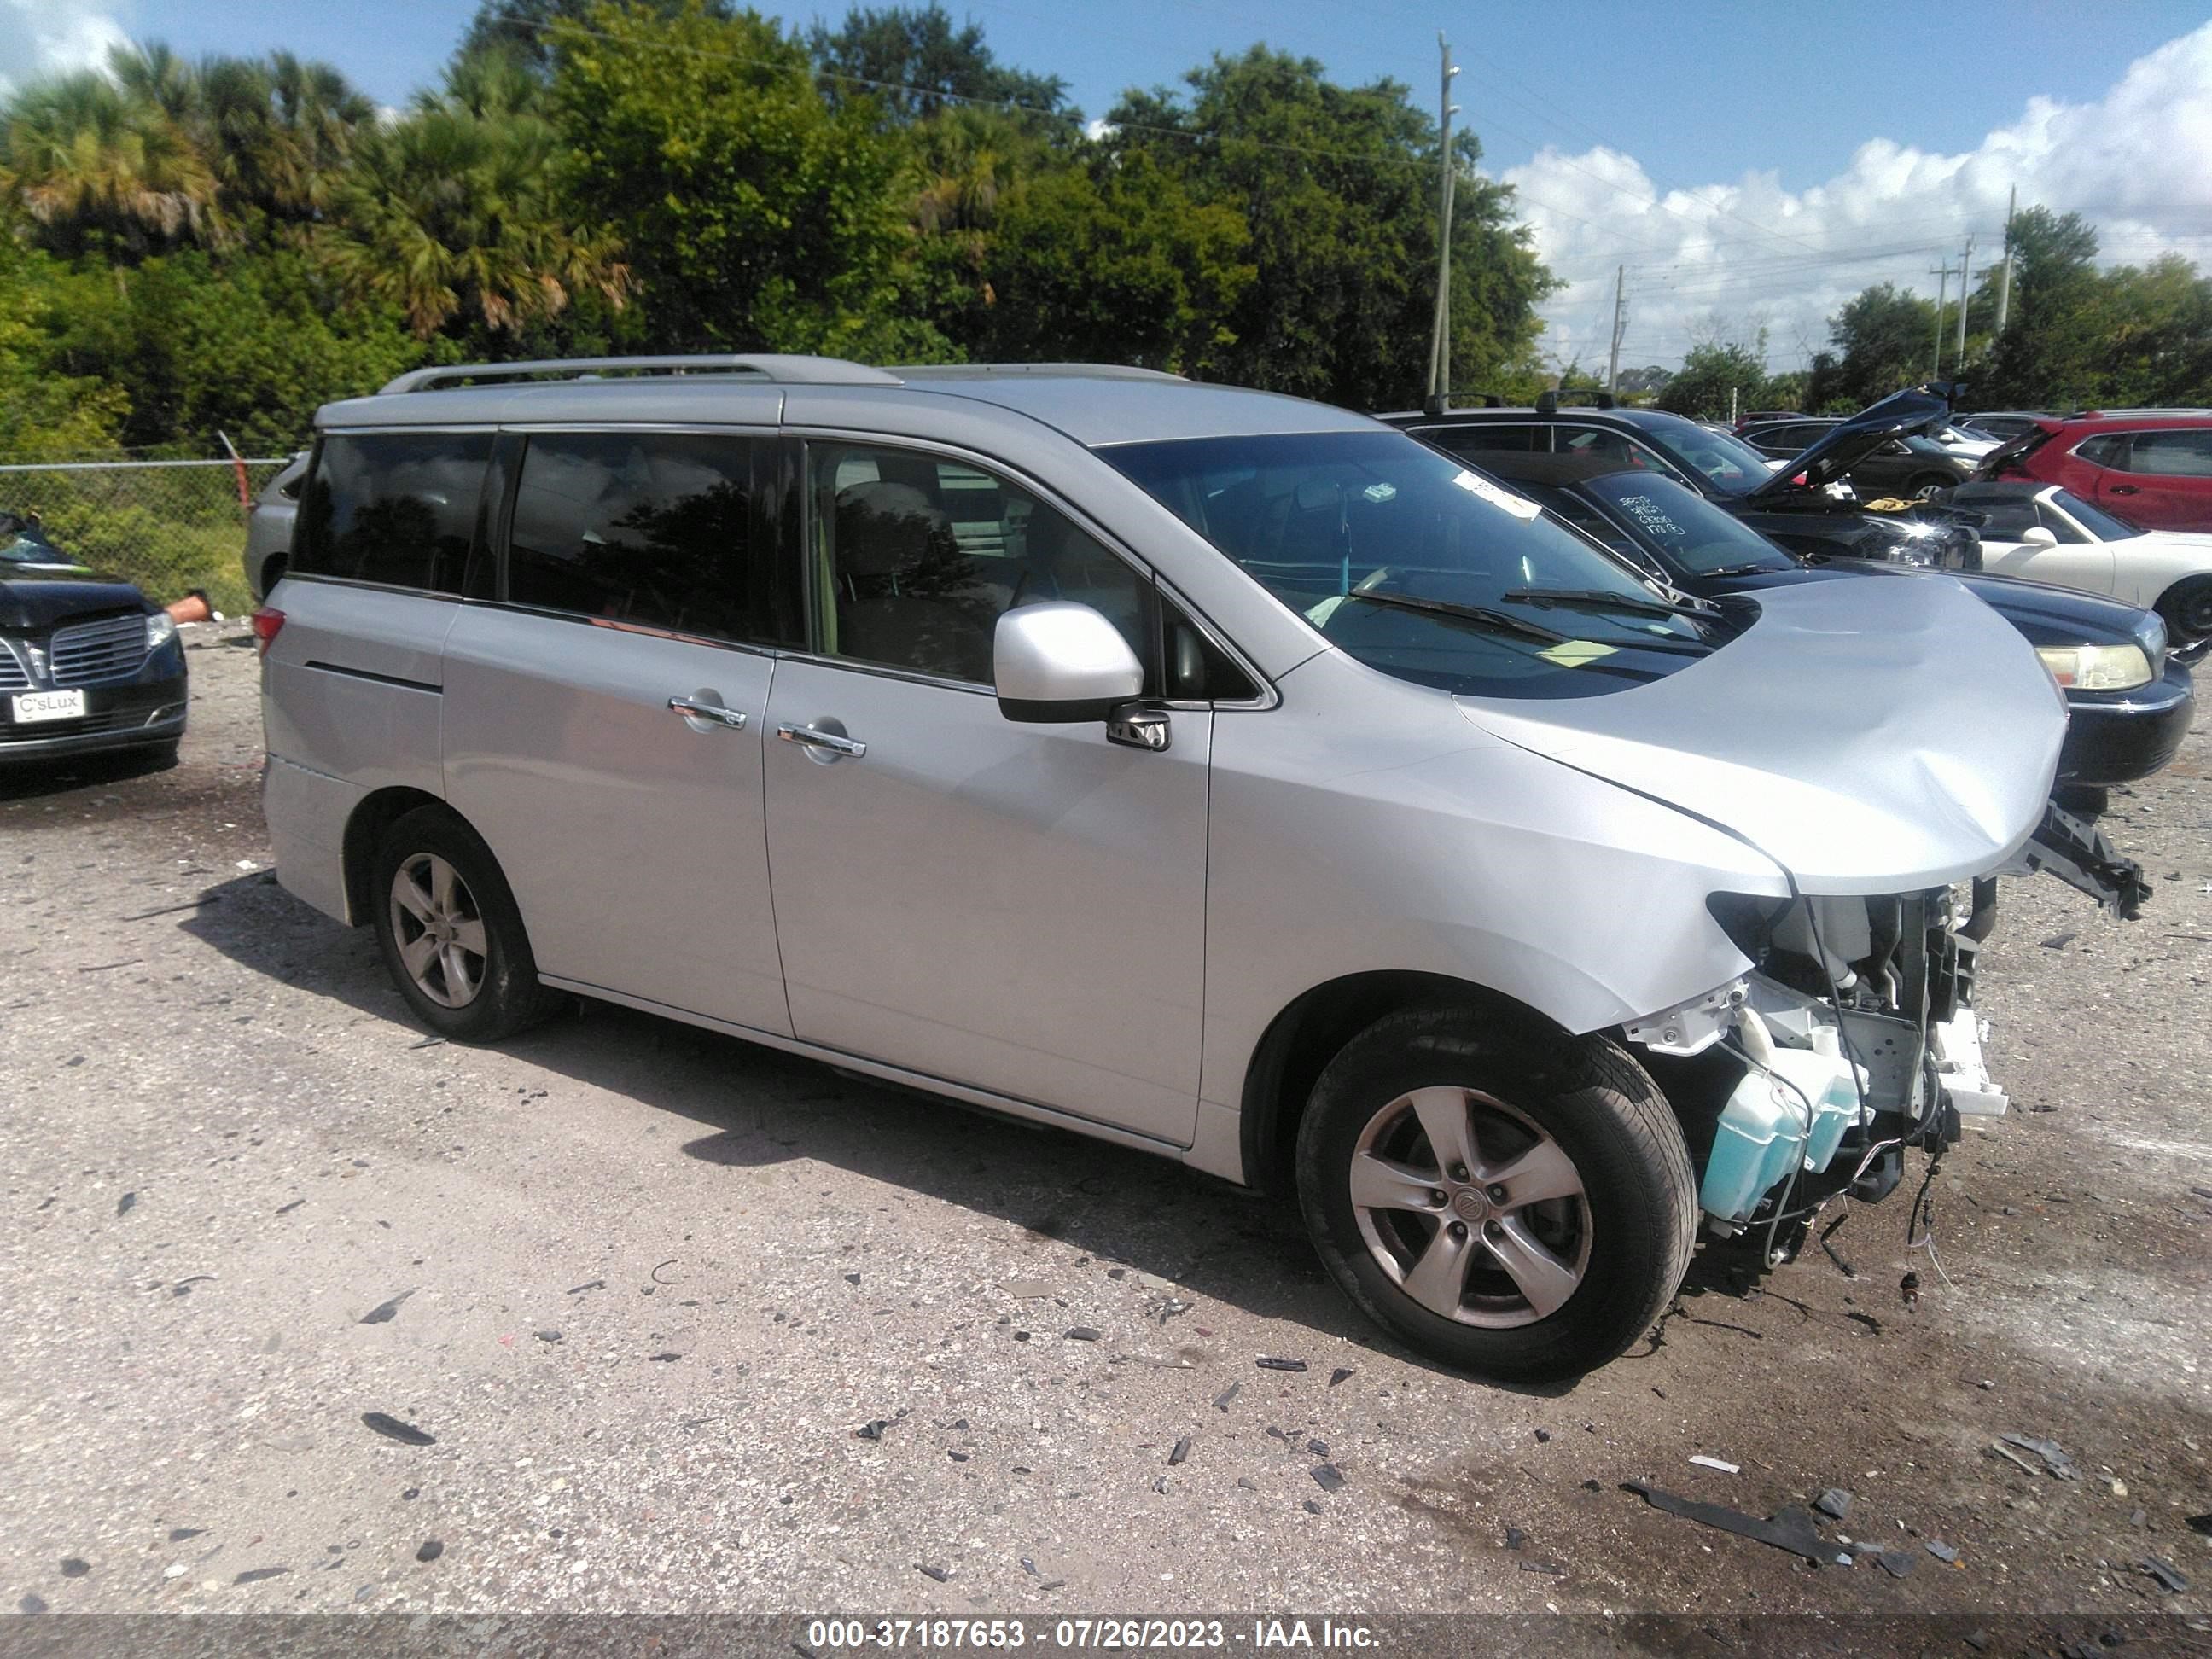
(510, 449)
(811, 546)
(798, 496)
(312, 483)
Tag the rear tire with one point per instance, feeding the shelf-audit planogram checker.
(450, 935)
(1928, 481)
(2187, 608)
(1547, 1242)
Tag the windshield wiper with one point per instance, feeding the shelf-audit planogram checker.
(1497, 621)
(1754, 569)
(1599, 598)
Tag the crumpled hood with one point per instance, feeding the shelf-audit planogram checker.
(1870, 737)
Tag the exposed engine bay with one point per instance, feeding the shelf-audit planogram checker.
(1853, 1038)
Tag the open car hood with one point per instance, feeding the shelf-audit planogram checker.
(1847, 443)
(1870, 737)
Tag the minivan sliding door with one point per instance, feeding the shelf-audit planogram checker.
(604, 712)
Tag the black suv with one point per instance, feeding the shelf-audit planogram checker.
(1805, 506)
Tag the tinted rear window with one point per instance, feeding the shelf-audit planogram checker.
(397, 508)
(651, 528)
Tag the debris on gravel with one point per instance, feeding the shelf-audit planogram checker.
(392, 1429)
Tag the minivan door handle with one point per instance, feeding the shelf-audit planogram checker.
(812, 738)
(692, 708)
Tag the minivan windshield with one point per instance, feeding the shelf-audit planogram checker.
(1418, 567)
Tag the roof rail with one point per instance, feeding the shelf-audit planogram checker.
(791, 370)
(976, 371)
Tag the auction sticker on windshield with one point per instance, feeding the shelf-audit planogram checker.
(1519, 507)
(25, 707)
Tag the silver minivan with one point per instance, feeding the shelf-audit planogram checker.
(1212, 772)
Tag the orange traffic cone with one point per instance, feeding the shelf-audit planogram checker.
(192, 608)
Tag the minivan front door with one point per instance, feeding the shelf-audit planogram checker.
(1019, 908)
(603, 724)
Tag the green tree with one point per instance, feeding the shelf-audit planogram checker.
(2049, 354)
(248, 344)
(911, 62)
(1338, 186)
(46, 414)
(1712, 374)
(1882, 336)
(1122, 267)
(755, 216)
(523, 29)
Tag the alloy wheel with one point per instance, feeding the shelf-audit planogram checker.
(438, 930)
(1471, 1209)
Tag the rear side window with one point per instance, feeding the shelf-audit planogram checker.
(654, 529)
(396, 509)
(2106, 451)
(1477, 439)
(2172, 454)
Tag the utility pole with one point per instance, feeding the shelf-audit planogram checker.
(1440, 331)
(1942, 295)
(2004, 276)
(1619, 322)
(1966, 260)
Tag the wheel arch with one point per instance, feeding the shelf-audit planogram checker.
(375, 813)
(1313, 1029)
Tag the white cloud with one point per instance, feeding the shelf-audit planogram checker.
(1732, 256)
(45, 37)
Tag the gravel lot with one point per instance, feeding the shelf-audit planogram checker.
(697, 1326)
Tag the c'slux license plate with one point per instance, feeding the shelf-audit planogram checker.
(25, 707)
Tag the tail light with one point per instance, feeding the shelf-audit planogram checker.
(267, 623)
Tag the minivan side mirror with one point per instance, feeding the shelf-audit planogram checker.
(1061, 663)
(2037, 536)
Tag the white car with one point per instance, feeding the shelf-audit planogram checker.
(1965, 443)
(2046, 533)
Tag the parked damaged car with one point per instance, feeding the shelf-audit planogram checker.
(1218, 773)
(2130, 698)
(1806, 503)
(86, 662)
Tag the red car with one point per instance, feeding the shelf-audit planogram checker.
(2150, 466)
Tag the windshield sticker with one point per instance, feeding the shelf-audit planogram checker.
(1573, 654)
(1505, 500)
(1380, 492)
(1649, 513)
(1320, 614)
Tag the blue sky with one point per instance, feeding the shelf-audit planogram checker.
(1751, 166)
(1695, 91)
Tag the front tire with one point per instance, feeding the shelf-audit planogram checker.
(450, 935)
(2187, 608)
(1518, 1206)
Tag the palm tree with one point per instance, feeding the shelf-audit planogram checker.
(451, 215)
(97, 165)
(279, 130)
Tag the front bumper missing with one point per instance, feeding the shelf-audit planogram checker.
(2083, 857)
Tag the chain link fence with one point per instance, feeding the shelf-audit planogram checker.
(170, 526)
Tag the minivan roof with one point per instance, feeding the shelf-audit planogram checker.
(1094, 405)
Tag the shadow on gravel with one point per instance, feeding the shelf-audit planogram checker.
(61, 775)
(760, 1108)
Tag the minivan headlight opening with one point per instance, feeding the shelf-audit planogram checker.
(161, 628)
(2096, 667)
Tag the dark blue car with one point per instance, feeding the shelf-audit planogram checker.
(86, 662)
